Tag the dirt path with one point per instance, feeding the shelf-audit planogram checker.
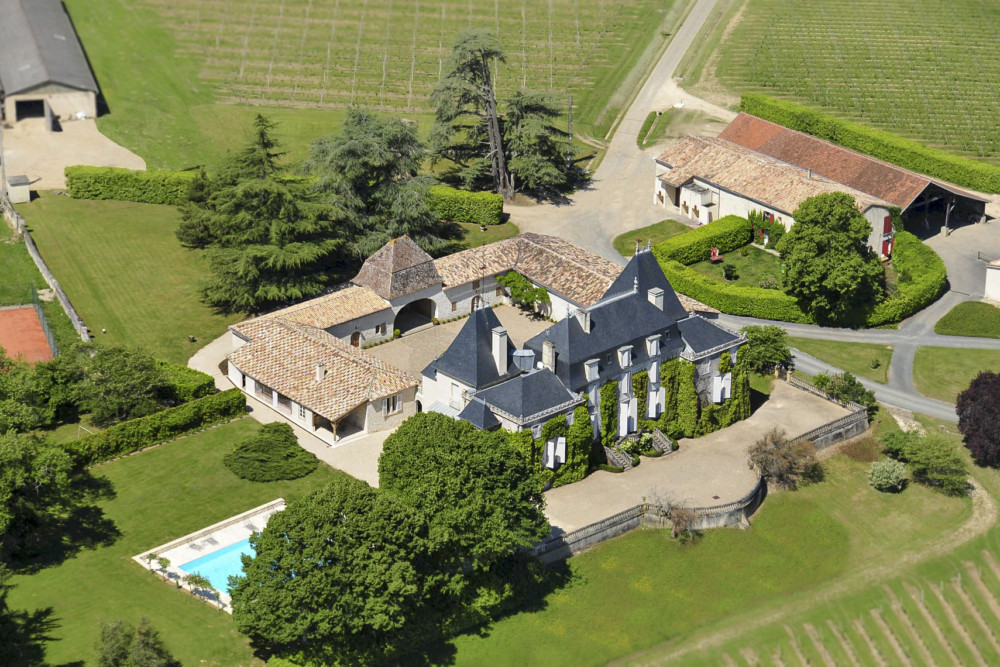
(984, 515)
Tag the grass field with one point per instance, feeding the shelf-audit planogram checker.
(751, 268)
(472, 237)
(661, 231)
(643, 588)
(124, 270)
(855, 358)
(943, 373)
(159, 495)
(971, 318)
(180, 77)
(882, 63)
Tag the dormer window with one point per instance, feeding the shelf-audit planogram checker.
(591, 370)
(625, 356)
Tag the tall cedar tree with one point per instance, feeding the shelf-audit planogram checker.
(830, 269)
(482, 496)
(467, 124)
(267, 243)
(368, 174)
(345, 575)
(978, 410)
(540, 154)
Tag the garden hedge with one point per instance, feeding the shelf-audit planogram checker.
(726, 234)
(147, 187)
(877, 143)
(187, 383)
(481, 208)
(136, 434)
(768, 304)
(922, 279)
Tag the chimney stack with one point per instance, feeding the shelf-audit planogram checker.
(810, 174)
(655, 296)
(583, 317)
(499, 348)
(320, 371)
(549, 355)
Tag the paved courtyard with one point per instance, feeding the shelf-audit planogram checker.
(706, 471)
(412, 352)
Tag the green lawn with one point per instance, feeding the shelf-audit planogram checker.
(661, 231)
(855, 358)
(751, 268)
(159, 495)
(971, 318)
(654, 128)
(644, 589)
(472, 237)
(943, 373)
(125, 271)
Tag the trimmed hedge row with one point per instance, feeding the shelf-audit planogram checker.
(768, 304)
(481, 208)
(726, 234)
(136, 434)
(877, 143)
(922, 278)
(147, 187)
(188, 384)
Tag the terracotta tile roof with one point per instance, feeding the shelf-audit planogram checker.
(738, 169)
(874, 177)
(398, 268)
(561, 266)
(283, 355)
(347, 303)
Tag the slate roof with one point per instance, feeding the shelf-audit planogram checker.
(479, 415)
(701, 335)
(895, 185)
(536, 391)
(469, 358)
(562, 267)
(38, 45)
(398, 268)
(283, 356)
(345, 304)
(764, 179)
(644, 271)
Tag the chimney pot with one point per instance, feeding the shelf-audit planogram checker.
(549, 355)
(320, 371)
(655, 296)
(499, 349)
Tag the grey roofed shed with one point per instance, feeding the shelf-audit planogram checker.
(39, 46)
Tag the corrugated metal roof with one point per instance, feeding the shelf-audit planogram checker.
(38, 45)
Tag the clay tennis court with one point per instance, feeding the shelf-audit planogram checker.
(21, 334)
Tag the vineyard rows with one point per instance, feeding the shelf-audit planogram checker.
(390, 53)
(905, 622)
(929, 72)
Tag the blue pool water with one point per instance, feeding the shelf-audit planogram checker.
(218, 565)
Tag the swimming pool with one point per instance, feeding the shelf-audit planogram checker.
(218, 565)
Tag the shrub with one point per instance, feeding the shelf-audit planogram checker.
(522, 291)
(877, 143)
(978, 410)
(887, 475)
(148, 187)
(936, 463)
(186, 384)
(131, 436)
(784, 462)
(271, 454)
(923, 278)
(727, 234)
(766, 304)
(845, 388)
(481, 208)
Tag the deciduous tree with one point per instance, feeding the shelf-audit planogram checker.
(122, 644)
(782, 461)
(830, 269)
(978, 410)
(767, 347)
(120, 383)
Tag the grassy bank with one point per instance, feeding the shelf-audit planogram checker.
(971, 318)
(942, 372)
(855, 358)
(661, 231)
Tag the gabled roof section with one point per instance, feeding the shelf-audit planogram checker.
(764, 179)
(469, 358)
(479, 415)
(39, 46)
(347, 303)
(702, 335)
(398, 268)
(898, 186)
(644, 272)
(284, 356)
(532, 393)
